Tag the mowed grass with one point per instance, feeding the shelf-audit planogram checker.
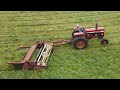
(25, 28)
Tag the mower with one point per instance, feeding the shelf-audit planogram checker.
(80, 36)
(41, 59)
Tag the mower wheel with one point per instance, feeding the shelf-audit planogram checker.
(104, 42)
(80, 42)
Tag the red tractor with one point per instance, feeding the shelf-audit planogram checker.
(80, 36)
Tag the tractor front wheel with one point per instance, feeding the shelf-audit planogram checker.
(80, 42)
(104, 42)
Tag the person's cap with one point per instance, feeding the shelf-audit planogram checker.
(77, 25)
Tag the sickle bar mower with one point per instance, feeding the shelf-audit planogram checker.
(41, 59)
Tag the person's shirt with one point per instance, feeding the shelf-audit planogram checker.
(77, 28)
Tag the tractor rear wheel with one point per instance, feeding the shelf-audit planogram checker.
(80, 42)
(104, 42)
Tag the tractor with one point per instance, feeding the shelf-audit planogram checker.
(80, 36)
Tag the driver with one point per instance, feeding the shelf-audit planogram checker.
(78, 28)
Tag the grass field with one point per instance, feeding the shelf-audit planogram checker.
(26, 27)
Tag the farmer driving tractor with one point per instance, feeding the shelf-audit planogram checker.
(78, 28)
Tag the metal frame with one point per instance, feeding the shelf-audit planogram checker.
(41, 60)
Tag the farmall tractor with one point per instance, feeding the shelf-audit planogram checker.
(80, 36)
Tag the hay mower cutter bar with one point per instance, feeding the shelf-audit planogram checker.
(41, 60)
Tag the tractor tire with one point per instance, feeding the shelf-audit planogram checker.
(80, 42)
(104, 41)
